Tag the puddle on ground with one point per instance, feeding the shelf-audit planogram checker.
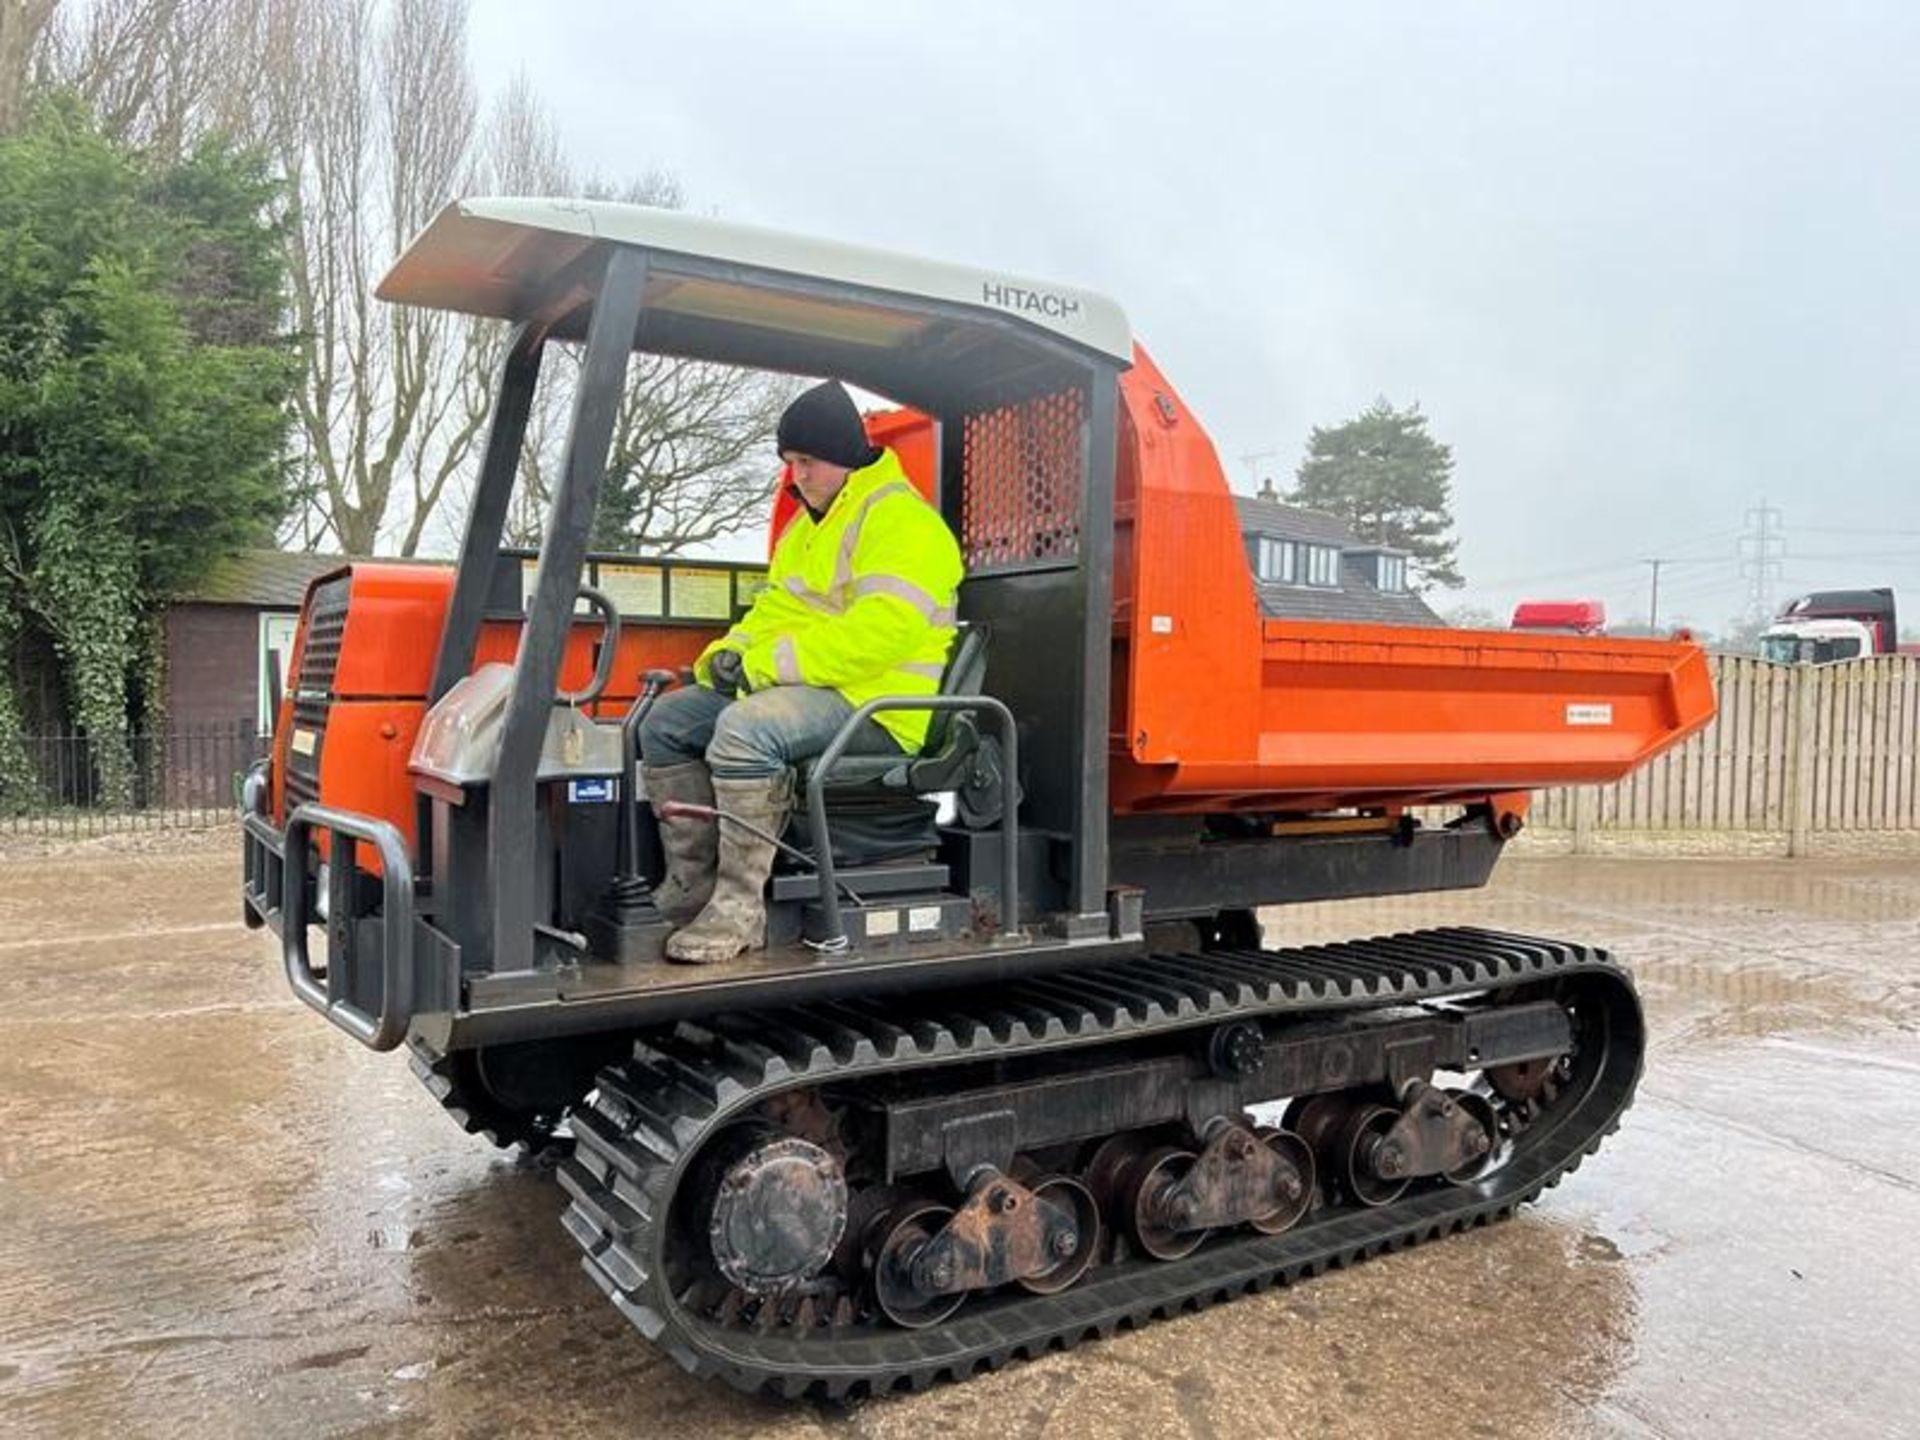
(223, 1220)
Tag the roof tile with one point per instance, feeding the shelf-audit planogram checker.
(1355, 598)
(1290, 522)
(267, 579)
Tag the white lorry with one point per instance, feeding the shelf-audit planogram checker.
(1832, 625)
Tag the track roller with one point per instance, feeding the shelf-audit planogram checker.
(1486, 1123)
(1135, 1180)
(1367, 1163)
(905, 1285)
(1297, 1156)
(1042, 1238)
(1077, 1247)
(1372, 1151)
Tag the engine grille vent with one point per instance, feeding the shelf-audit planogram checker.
(326, 625)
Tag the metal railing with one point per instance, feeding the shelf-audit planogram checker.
(178, 778)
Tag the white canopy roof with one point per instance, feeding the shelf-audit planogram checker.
(498, 257)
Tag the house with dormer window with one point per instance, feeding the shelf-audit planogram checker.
(1309, 566)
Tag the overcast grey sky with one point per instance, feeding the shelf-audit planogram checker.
(1642, 265)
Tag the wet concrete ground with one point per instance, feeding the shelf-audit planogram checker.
(218, 1217)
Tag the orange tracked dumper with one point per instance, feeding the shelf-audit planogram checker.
(1013, 1070)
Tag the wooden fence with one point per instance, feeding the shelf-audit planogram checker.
(1796, 752)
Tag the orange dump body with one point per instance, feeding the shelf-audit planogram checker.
(1216, 706)
(1381, 715)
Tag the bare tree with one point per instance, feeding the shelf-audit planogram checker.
(691, 458)
(523, 153)
(398, 400)
(374, 132)
(155, 72)
(369, 108)
(24, 27)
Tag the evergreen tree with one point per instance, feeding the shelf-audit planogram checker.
(144, 377)
(1391, 482)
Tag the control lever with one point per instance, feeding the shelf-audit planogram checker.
(651, 684)
(629, 893)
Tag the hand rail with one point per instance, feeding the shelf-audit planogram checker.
(387, 1029)
(836, 937)
(609, 645)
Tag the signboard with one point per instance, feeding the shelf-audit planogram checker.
(529, 572)
(702, 594)
(746, 585)
(696, 592)
(276, 658)
(637, 591)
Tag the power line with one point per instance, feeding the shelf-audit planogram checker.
(1798, 555)
(1856, 530)
(1612, 568)
(1656, 565)
(1619, 566)
(1698, 586)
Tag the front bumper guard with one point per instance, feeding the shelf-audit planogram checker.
(280, 894)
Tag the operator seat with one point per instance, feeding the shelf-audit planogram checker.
(876, 808)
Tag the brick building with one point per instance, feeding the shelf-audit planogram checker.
(219, 636)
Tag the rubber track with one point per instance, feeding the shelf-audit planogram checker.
(649, 1115)
(475, 1113)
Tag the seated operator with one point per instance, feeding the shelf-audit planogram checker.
(858, 603)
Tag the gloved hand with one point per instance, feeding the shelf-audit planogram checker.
(728, 669)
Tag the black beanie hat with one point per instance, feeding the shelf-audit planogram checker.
(824, 423)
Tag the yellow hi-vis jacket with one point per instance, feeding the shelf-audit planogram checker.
(860, 601)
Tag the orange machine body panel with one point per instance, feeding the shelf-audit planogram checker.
(1216, 706)
(387, 650)
(363, 766)
(386, 660)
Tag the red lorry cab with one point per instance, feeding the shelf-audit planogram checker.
(1561, 617)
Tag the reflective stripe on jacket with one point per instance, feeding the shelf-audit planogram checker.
(860, 601)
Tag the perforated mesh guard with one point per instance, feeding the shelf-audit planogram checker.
(1022, 466)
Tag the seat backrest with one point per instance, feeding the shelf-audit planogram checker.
(965, 674)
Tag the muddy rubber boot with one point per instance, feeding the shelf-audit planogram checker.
(691, 846)
(736, 917)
